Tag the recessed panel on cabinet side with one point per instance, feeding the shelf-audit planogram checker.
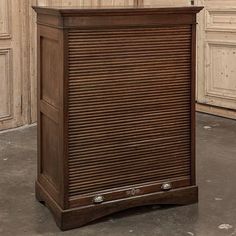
(50, 100)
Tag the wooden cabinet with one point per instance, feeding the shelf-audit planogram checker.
(116, 126)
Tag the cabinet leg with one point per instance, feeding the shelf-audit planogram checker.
(38, 196)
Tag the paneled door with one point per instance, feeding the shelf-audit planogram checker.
(11, 97)
(216, 79)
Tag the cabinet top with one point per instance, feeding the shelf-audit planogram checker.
(115, 10)
(104, 17)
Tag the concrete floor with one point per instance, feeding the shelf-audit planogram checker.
(214, 215)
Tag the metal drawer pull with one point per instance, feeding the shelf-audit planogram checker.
(166, 186)
(98, 199)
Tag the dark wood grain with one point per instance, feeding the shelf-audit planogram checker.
(116, 109)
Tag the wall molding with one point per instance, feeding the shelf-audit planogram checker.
(220, 19)
(217, 111)
(7, 53)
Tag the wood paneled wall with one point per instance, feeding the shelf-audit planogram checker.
(217, 58)
(12, 98)
(216, 39)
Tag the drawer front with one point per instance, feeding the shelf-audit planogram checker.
(129, 108)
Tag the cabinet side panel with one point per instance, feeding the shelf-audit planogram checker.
(50, 118)
(50, 150)
(49, 71)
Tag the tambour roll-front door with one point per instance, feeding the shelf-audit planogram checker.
(129, 110)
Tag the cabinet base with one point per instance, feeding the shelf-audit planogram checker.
(76, 217)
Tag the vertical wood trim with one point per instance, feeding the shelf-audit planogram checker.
(25, 62)
(38, 105)
(65, 121)
(17, 73)
(193, 94)
(139, 2)
(33, 60)
(217, 111)
(30, 103)
(28, 62)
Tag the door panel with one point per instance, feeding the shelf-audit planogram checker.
(5, 19)
(10, 65)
